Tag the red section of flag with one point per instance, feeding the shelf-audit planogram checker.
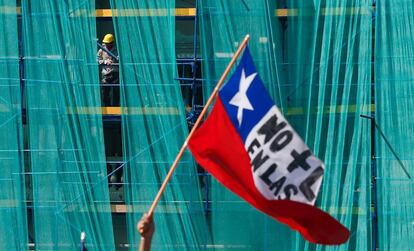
(218, 148)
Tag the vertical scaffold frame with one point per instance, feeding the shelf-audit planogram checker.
(195, 83)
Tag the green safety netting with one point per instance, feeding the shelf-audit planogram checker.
(154, 127)
(316, 63)
(68, 171)
(394, 85)
(329, 71)
(13, 228)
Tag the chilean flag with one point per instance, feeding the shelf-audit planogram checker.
(250, 148)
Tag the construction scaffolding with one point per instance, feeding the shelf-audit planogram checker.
(340, 71)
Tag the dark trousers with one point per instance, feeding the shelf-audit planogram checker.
(110, 90)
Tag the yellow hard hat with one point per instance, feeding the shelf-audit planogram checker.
(109, 38)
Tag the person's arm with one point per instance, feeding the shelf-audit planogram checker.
(146, 229)
(99, 57)
(108, 61)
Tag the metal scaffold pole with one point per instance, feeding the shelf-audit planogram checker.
(194, 63)
(374, 193)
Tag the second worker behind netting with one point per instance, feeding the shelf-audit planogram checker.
(107, 57)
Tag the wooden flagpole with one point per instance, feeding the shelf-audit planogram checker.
(197, 123)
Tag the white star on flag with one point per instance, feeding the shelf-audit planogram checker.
(240, 99)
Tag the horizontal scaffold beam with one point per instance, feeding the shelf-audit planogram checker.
(115, 110)
(191, 12)
(122, 208)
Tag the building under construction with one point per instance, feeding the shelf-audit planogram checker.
(89, 131)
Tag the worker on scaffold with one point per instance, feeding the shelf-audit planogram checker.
(107, 58)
